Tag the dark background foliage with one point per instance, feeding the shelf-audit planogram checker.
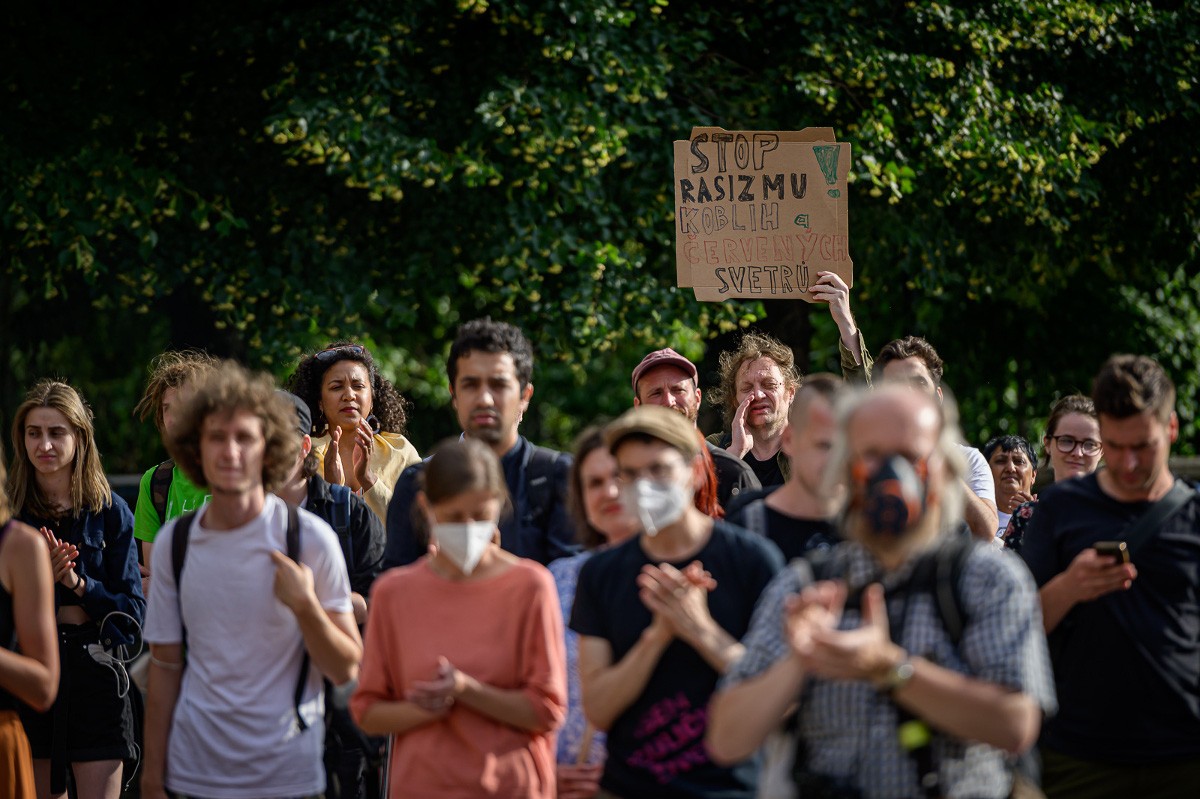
(261, 178)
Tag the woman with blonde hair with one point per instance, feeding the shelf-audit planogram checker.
(56, 485)
(26, 615)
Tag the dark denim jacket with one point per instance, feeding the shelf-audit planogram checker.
(108, 562)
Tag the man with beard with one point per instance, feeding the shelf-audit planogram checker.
(666, 378)
(491, 370)
(758, 381)
(659, 617)
(889, 700)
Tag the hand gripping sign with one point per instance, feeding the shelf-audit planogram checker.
(759, 213)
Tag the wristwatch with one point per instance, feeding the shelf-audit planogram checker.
(897, 676)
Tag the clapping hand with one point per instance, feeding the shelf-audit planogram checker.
(865, 653)
(364, 443)
(62, 558)
(437, 695)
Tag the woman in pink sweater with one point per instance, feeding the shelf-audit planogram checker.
(463, 658)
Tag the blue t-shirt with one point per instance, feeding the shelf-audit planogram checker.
(656, 747)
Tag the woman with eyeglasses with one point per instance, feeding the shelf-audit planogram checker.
(359, 421)
(1072, 448)
(57, 485)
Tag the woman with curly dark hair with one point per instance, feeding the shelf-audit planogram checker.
(361, 413)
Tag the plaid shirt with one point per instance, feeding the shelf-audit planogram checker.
(850, 728)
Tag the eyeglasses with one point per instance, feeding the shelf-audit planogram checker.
(333, 353)
(1067, 444)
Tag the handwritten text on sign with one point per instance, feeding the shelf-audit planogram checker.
(759, 213)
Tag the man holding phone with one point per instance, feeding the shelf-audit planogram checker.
(1122, 620)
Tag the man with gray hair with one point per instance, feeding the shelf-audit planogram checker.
(893, 696)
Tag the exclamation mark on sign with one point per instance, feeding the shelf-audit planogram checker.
(827, 159)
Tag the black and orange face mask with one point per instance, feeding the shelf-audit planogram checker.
(893, 497)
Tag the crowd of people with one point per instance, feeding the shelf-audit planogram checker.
(835, 596)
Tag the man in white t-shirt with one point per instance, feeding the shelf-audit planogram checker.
(914, 362)
(240, 722)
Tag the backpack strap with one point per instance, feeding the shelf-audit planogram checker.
(293, 552)
(179, 547)
(1143, 528)
(949, 562)
(160, 488)
(540, 484)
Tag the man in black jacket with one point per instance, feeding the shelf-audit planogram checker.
(491, 371)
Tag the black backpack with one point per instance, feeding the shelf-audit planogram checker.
(160, 488)
(179, 546)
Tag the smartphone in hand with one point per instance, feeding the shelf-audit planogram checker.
(1113, 549)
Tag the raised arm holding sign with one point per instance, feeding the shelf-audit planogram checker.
(759, 213)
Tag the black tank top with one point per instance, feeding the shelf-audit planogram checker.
(8, 627)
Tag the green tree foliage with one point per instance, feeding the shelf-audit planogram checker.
(262, 179)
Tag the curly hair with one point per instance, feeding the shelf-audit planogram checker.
(387, 404)
(909, 347)
(172, 369)
(1131, 384)
(486, 335)
(89, 487)
(753, 346)
(227, 388)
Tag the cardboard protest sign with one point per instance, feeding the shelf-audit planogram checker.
(759, 213)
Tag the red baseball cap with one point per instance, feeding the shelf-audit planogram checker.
(664, 357)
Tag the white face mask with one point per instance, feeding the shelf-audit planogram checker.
(465, 543)
(656, 505)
